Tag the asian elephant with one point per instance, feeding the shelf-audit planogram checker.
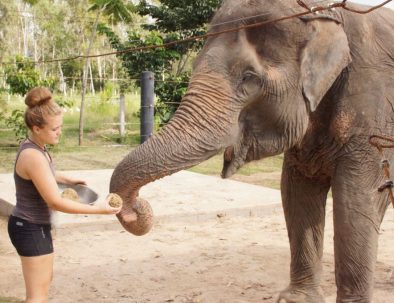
(314, 87)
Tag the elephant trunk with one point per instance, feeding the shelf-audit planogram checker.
(203, 124)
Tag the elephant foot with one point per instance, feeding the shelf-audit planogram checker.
(136, 218)
(294, 294)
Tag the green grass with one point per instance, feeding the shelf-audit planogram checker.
(264, 172)
(214, 166)
(103, 147)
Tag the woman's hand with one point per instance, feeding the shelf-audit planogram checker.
(62, 178)
(77, 181)
(108, 209)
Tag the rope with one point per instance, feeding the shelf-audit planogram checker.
(388, 142)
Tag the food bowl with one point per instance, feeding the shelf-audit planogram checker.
(86, 195)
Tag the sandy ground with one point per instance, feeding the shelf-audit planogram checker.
(230, 259)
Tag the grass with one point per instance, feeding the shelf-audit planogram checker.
(214, 166)
(264, 172)
(101, 137)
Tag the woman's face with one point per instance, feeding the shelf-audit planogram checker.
(51, 131)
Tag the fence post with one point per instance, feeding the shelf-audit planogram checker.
(122, 115)
(147, 104)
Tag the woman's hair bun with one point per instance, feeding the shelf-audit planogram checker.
(38, 96)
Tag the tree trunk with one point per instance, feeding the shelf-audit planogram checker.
(24, 35)
(114, 75)
(122, 107)
(182, 63)
(35, 43)
(63, 85)
(104, 68)
(99, 68)
(85, 78)
(91, 79)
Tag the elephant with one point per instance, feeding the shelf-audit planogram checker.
(316, 88)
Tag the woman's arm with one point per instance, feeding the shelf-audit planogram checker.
(35, 166)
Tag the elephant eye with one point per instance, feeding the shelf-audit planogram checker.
(250, 83)
(248, 75)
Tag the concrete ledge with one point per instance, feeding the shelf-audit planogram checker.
(185, 218)
(184, 196)
(5, 208)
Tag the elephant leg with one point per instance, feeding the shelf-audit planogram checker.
(358, 212)
(304, 202)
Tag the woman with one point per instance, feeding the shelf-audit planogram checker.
(37, 193)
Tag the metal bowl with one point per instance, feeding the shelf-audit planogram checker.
(86, 194)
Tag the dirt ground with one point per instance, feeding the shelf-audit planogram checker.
(230, 259)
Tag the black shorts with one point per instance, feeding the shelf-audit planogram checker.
(30, 239)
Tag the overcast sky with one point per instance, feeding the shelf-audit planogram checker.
(374, 2)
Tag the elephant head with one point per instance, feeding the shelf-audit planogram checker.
(252, 93)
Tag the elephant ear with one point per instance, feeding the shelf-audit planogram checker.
(323, 58)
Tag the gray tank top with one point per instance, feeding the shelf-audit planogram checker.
(30, 206)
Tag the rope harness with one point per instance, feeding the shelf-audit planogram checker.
(339, 4)
(382, 142)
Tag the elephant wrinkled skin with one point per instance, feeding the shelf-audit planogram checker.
(314, 88)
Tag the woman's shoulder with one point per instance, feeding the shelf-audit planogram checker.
(32, 153)
(31, 157)
(30, 160)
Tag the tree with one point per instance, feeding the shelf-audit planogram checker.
(59, 29)
(116, 11)
(179, 19)
(5, 30)
(174, 20)
(54, 37)
(21, 77)
(179, 15)
(11, 28)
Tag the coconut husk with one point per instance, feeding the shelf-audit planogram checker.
(115, 200)
(69, 193)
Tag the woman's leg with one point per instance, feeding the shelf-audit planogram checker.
(37, 272)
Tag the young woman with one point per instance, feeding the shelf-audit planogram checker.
(37, 193)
